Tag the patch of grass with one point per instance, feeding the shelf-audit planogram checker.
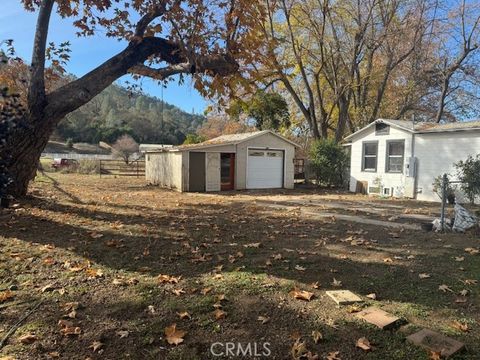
(409, 310)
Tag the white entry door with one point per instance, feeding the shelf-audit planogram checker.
(264, 169)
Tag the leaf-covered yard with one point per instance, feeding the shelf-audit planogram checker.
(113, 264)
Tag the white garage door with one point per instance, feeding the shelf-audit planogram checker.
(264, 169)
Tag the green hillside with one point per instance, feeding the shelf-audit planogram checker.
(117, 111)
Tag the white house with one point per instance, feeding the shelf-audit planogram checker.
(401, 158)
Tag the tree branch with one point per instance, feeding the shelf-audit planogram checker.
(143, 23)
(78, 92)
(36, 91)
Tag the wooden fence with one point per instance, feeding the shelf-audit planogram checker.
(120, 168)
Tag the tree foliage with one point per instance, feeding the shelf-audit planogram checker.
(328, 162)
(344, 63)
(205, 39)
(268, 110)
(222, 124)
(468, 172)
(193, 139)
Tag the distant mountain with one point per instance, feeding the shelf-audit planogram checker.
(116, 111)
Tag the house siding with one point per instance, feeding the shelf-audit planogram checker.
(437, 153)
(397, 181)
(164, 169)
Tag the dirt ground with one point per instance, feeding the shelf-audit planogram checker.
(87, 255)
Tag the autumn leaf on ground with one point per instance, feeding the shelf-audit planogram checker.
(460, 326)
(252, 245)
(435, 355)
(464, 292)
(184, 315)
(316, 336)
(162, 278)
(388, 260)
(6, 295)
(122, 333)
(444, 288)
(472, 251)
(336, 283)
(459, 258)
(301, 294)
(94, 273)
(178, 292)
(219, 314)
(364, 344)
(96, 345)
(334, 355)
(470, 282)
(372, 296)
(298, 350)
(315, 285)
(300, 268)
(263, 319)
(424, 276)
(206, 290)
(28, 338)
(173, 335)
(95, 235)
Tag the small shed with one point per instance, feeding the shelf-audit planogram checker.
(254, 160)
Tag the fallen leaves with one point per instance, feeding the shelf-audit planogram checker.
(336, 283)
(184, 315)
(299, 351)
(6, 295)
(316, 336)
(444, 288)
(334, 355)
(173, 335)
(301, 294)
(363, 344)
(460, 326)
(96, 346)
(122, 333)
(372, 296)
(424, 276)
(472, 251)
(28, 339)
(219, 314)
(300, 268)
(68, 329)
(162, 279)
(263, 319)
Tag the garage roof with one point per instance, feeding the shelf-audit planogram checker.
(231, 139)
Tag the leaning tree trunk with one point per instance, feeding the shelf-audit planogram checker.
(24, 151)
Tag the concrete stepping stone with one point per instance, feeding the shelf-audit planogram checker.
(344, 297)
(437, 342)
(378, 317)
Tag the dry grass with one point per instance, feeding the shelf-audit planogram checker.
(104, 242)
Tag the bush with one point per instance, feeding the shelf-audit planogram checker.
(437, 188)
(468, 173)
(88, 167)
(328, 162)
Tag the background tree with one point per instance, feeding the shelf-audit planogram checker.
(222, 124)
(328, 162)
(193, 139)
(125, 148)
(468, 172)
(268, 110)
(163, 38)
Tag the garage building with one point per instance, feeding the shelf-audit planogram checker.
(255, 160)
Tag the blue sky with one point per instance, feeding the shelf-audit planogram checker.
(87, 53)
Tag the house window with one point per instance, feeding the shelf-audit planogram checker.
(255, 153)
(369, 156)
(382, 129)
(394, 156)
